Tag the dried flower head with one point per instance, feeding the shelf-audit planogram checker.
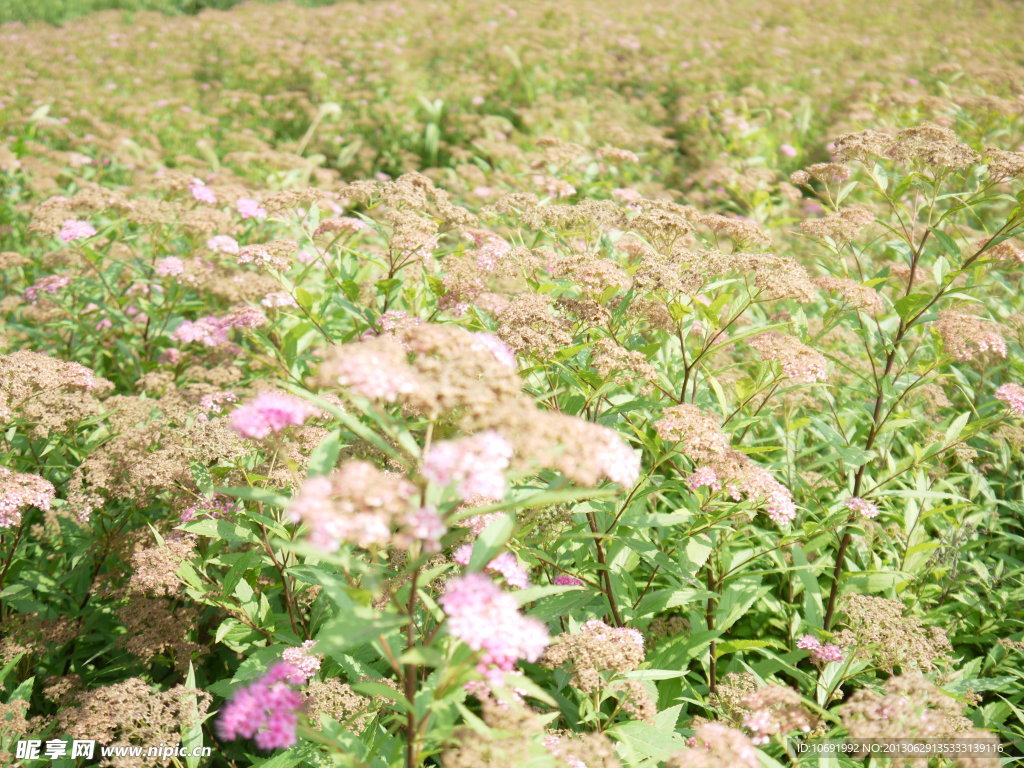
(879, 630)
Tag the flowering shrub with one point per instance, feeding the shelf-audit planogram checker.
(404, 384)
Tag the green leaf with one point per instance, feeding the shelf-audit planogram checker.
(260, 495)
(640, 741)
(191, 732)
(948, 244)
(490, 542)
(325, 456)
(221, 529)
(243, 563)
(734, 646)
(910, 306)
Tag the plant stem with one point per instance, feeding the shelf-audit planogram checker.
(606, 576)
(710, 619)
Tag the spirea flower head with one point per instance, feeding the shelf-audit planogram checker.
(50, 284)
(697, 430)
(212, 331)
(75, 229)
(808, 643)
(303, 660)
(504, 564)
(376, 369)
(19, 490)
(866, 508)
(169, 266)
(223, 244)
(495, 346)
(564, 580)
(820, 652)
(357, 503)
(704, 477)
(829, 652)
(487, 619)
(966, 337)
(774, 709)
(615, 458)
(716, 745)
(270, 412)
(250, 209)
(201, 192)
(266, 710)
(1013, 395)
(594, 649)
(742, 478)
(475, 464)
(427, 527)
(798, 361)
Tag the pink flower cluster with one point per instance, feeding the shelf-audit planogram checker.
(490, 249)
(271, 412)
(75, 229)
(212, 331)
(250, 209)
(19, 490)
(170, 266)
(614, 458)
(375, 369)
(219, 507)
(223, 244)
(827, 652)
(704, 477)
(265, 710)
(505, 564)
(498, 348)
(487, 619)
(743, 479)
(357, 503)
(303, 660)
(866, 508)
(427, 527)
(475, 464)
(613, 635)
(564, 580)
(50, 284)
(277, 299)
(201, 192)
(214, 402)
(1013, 396)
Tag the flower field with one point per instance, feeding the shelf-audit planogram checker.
(576, 384)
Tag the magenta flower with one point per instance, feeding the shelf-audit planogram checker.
(75, 229)
(270, 412)
(564, 580)
(487, 619)
(265, 710)
(818, 651)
